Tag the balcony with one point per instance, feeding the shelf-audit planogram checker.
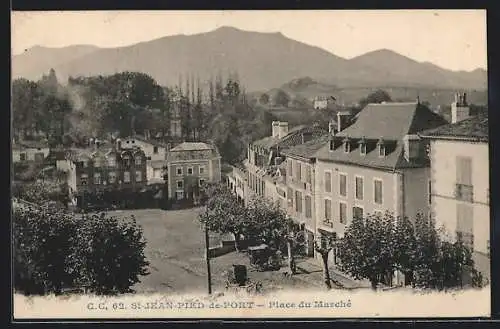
(464, 192)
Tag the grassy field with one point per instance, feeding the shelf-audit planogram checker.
(176, 252)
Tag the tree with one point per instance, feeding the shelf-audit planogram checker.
(223, 213)
(281, 98)
(366, 250)
(268, 223)
(324, 246)
(110, 254)
(375, 247)
(54, 249)
(264, 99)
(378, 96)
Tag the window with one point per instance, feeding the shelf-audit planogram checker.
(377, 193)
(381, 150)
(343, 184)
(359, 188)
(112, 161)
(308, 206)
(342, 212)
(126, 161)
(289, 193)
(328, 181)
(357, 212)
(39, 157)
(298, 174)
(84, 179)
(465, 224)
(179, 195)
(138, 160)
(138, 176)
(347, 147)
(290, 167)
(201, 170)
(328, 210)
(155, 149)
(464, 188)
(97, 162)
(202, 182)
(22, 156)
(126, 176)
(190, 170)
(180, 184)
(308, 174)
(112, 177)
(97, 178)
(362, 149)
(298, 201)
(179, 171)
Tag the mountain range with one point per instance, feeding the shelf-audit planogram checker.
(261, 60)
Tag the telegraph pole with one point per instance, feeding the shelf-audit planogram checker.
(207, 254)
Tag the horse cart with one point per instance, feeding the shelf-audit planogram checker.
(264, 258)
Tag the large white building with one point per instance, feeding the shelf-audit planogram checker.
(460, 180)
(377, 164)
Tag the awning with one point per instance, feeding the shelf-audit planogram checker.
(327, 233)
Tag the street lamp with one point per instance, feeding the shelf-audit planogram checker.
(207, 255)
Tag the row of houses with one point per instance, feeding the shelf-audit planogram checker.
(396, 157)
(134, 163)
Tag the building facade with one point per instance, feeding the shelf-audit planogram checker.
(376, 165)
(189, 166)
(100, 169)
(460, 181)
(27, 151)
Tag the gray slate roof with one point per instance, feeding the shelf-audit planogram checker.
(294, 137)
(192, 146)
(391, 122)
(474, 128)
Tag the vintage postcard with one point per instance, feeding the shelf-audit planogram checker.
(250, 164)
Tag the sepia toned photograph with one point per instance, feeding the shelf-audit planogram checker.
(250, 164)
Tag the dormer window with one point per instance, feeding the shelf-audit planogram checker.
(381, 148)
(362, 146)
(347, 146)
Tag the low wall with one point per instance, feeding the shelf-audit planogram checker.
(223, 248)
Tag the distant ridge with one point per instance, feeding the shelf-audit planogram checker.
(262, 61)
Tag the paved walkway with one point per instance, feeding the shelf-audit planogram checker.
(311, 271)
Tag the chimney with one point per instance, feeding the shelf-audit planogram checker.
(411, 147)
(275, 126)
(282, 129)
(459, 109)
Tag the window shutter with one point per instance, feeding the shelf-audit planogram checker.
(464, 170)
(464, 218)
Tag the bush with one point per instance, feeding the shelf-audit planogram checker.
(55, 250)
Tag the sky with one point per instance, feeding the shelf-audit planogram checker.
(452, 39)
